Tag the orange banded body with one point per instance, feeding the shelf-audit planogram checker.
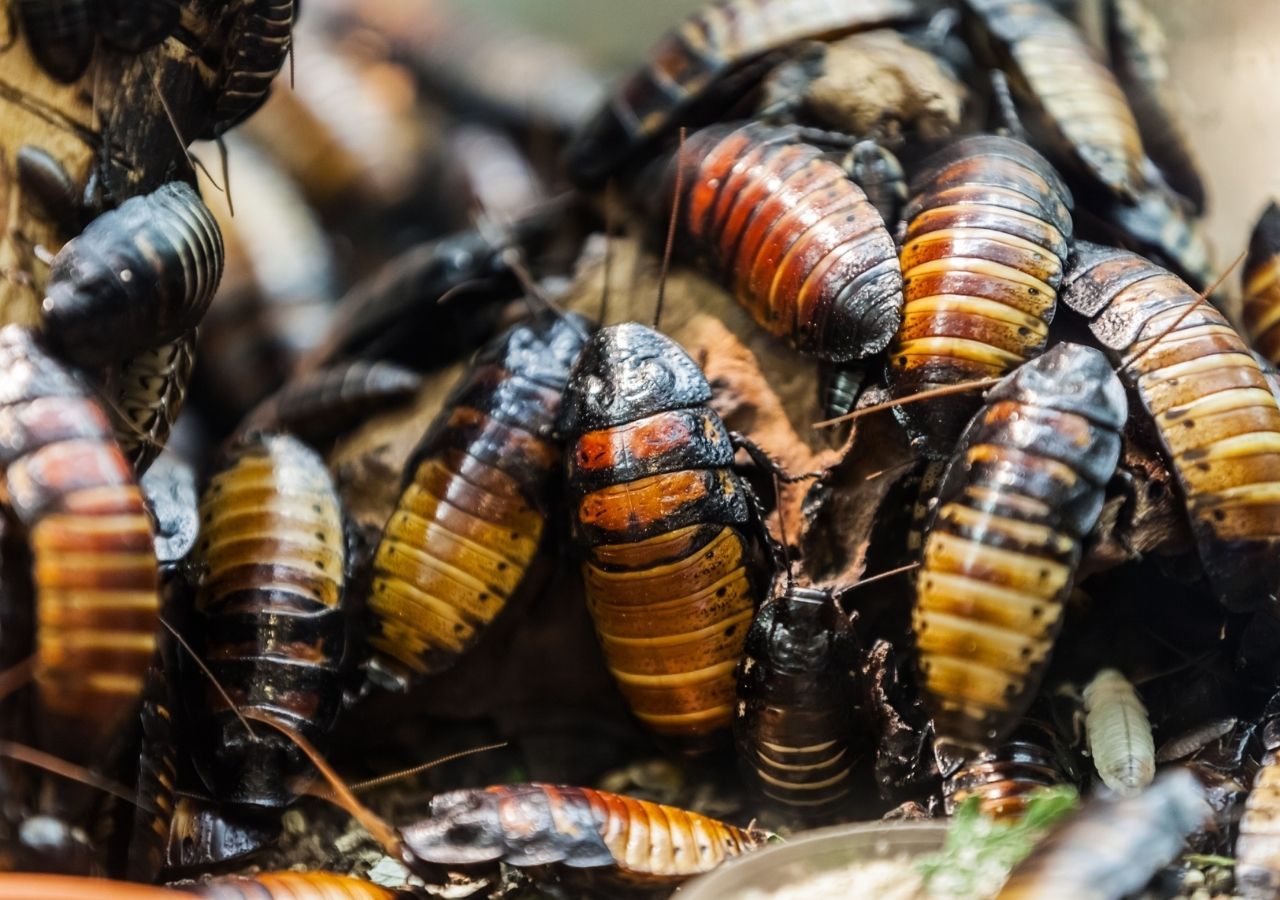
(628, 841)
(1258, 846)
(1004, 779)
(796, 241)
(293, 886)
(1021, 493)
(469, 521)
(269, 622)
(661, 519)
(1261, 313)
(1210, 403)
(989, 231)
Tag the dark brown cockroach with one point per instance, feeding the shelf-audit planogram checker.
(203, 835)
(257, 45)
(157, 778)
(797, 242)
(56, 196)
(878, 172)
(135, 25)
(138, 276)
(1261, 279)
(988, 234)
(1004, 779)
(695, 57)
(1258, 845)
(662, 521)
(463, 538)
(838, 389)
(60, 34)
(1112, 848)
(1023, 490)
(271, 567)
(93, 559)
(793, 724)
(150, 388)
(1210, 403)
(1158, 226)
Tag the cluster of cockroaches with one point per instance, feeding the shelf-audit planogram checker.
(913, 236)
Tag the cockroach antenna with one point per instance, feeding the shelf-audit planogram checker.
(32, 756)
(671, 229)
(880, 576)
(608, 252)
(17, 675)
(372, 783)
(782, 526)
(177, 132)
(980, 384)
(213, 679)
(226, 173)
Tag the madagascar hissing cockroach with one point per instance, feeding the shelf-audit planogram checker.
(150, 388)
(204, 834)
(1210, 403)
(294, 886)
(258, 43)
(1119, 733)
(988, 234)
(270, 567)
(157, 779)
(794, 718)
(45, 181)
(135, 25)
(1157, 225)
(878, 172)
(1261, 279)
(60, 34)
(1021, 493)
(664, 526)
(477, 494)
(797, 243)
(1112, 847)
(1258, 845)
(1004, 779)
(138, 276)
(694, 58)
(838, 388)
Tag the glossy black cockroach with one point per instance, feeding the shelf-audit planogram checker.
(797, 242)
(60, 34)
(988, 233)
(478, 490)
(56, 197)
(794, 719)
(838, 389)
(270, 569)
(663, 522)
(1210, 404)
(157, 778)
(1261, 281)
(150, 389)
(138, 276)
(1023, 490)
(204, 835)
(1258, 845)
(135, 25)
(1004, 779)
(258, 43)
(686, 66)
(1119, 733)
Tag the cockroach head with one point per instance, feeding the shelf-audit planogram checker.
(464, 828)
(1072, 378)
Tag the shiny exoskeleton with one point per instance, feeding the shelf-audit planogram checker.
(259, 41)
(1210, 403)
(204, 834)
(137, 277)
(988, 234)
(294, 886)
(1119, 733)
(615, 838)
(477, 494)
(60, 34)
(691, 59)
(878, 172)
(1258, 845)
(44, 180)
(1020, 495)
(663, 523)
(797, 242)
(1261, 277)
(271, 565)
(151, 388)
(135, 25)
(1004, 779)
(794, 716)
(157, 779)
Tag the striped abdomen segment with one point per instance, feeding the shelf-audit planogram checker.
(1021, 493)
(1004, 779)
(1258, 846)
(1119, 733)
(272, 566)
(157, 779)
(1210, 403)
(1261, 312)
(987, 241)
(796, 241)
(257, 45)
(293, 886)
(152, 388)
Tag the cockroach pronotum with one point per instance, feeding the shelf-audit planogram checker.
(1020, 495)
(1261, 312)
(1004, 779)
(794, 718)
(477, 493)
(137, 277)
(151, 388)
(988, 234)
(796, 241)
(1208, 400)
(258, 43)
(1119, 733)
(697, 55)
(662, 521)
(1112, 848)
(271, 567)
(1258, 845)
(60, 34)
(135, 25)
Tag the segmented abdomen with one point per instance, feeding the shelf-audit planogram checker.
(1023, 489)
(796, 241)
(293, 886)
(258, 43)
(1004, 779)
(1261, 313)
(1258, 846)
(1119, 733)
(153, 385)
(60, 34)
(157, 779)
(987, 241)
(134, 25)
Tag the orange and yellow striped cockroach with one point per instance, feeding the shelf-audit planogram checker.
(1112, 847)
(138, 276)
(135, 25)
(1261, 281)
(1119, 733)
(1210, 403)
(1005, 778)
(1022, 492)
(1258, 844)
(463, 540)
(258, 41)
(701, 54)
(60, 35)
(149, 391)
(270, 571)
(988, 234)
(264, 886)
(796, 241)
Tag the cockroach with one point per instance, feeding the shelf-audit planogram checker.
(797, 242)
(151, 388)
(137, 277)
(1022, 492)
(1261, 278)
(1112, 847)
(463, 538)
(294, 886)
(696, 57)
(157, 778)
(663, 523)
(60, 34)
(1119, 733)
(172, 499)
(1004, 779)
(135, 25)
(1158, 226)
(46, 181)
(878, 172)
(838, 389)
(270, 569)
(988, 234)
(1210, 404)
(1258, 844)
(793, 723)
(203, 834)
(258, 43)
